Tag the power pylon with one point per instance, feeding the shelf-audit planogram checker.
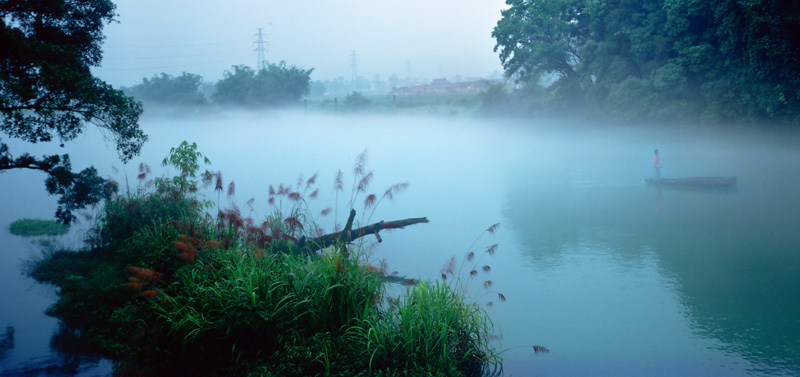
(260, 50)
(354, 66)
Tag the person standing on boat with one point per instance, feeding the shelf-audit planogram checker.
(656, 165)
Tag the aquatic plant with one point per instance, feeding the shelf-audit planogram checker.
(37, 227)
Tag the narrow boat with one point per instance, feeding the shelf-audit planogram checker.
(694, 181)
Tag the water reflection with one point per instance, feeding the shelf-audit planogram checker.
(730, 255)
(7, 341)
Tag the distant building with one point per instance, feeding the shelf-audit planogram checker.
(442, 86)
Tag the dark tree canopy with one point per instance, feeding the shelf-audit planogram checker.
(47, 92)
(166, 89)
(272, 85)
(694, 60)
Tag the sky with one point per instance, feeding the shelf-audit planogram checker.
(410, 38)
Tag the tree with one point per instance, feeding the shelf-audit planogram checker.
(169, 90)
(48, 93)
(356, 101)
(274, 85)
(538, 37)
(689, 60)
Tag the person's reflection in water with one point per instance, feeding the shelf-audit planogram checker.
(658, 201)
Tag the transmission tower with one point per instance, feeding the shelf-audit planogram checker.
(260, 50)
(354, 65)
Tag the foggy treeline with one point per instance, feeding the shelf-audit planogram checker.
(692, 61)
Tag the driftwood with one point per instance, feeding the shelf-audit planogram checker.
(348, 235)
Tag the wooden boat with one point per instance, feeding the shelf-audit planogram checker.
(694, 181)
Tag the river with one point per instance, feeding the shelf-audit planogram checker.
(613, 276)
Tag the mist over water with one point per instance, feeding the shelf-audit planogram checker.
(613, 276)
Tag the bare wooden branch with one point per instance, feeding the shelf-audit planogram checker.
(348, 235)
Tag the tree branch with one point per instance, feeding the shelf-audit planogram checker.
(348, 235)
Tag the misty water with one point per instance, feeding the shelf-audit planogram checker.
(613, 276)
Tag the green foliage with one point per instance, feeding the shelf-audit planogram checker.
(432, 329)
(356, 101)
(657, 59)
(270, 86)
(184, 158)
(169, 90)
(47, 92)
(36, 227)
(166, 290)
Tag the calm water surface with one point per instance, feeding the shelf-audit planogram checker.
(613, 276)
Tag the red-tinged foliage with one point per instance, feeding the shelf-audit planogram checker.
(326, 211)
(184, 247)
(338, 184)
(250, 203)
(311, 180)
(361, 162)
(207, 177)
(151, 294)
(271, 200)
(471, 256)
(133, 285)
(218, 184)
(371, 268)
(370, 201)
(211, 244)
(473, 273)
(540, 350)
(145, 274)
(231, 189)
(271, 191)
(232, 217)
(486, 268)
(282, 190)
(293, 223)
(134, 279)
(364, 182)
(395, 189)
(491, 249)
(487, 284)
(410, 282)
(188, 257)
(450, 267)
(144, 170)
(295, 196)
(314, 194)
(493, 228)
(384, 266)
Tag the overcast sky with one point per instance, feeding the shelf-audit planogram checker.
(423, 38)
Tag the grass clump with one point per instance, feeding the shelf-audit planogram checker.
(37, 227)
(167, 289)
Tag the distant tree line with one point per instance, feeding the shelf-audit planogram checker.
(272, 85)
(691, 60)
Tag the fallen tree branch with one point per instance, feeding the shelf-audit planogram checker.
(349, 235)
